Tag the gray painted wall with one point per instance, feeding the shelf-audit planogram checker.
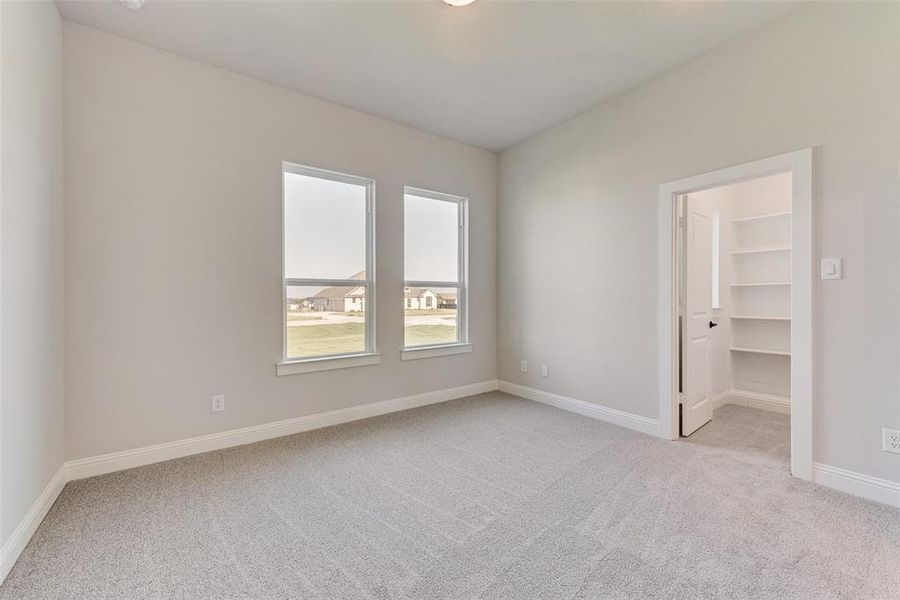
(578, 209)
(173, 193)
(32, 307)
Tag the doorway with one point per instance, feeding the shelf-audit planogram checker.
(734, 335)
(736, 297)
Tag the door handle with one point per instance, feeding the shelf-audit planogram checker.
(711, 324)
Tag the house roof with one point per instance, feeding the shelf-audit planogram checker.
(418, 292)
(414, 292)
(344, 291)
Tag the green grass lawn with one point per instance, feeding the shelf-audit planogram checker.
(320, 340)
(344, 338)
(427, 312)
(422, 335)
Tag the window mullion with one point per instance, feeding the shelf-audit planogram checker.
(300, 282)
(431, 284)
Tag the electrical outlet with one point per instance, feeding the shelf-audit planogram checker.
(545, 371)
(218, 403)
(524, 366)
(890, 440)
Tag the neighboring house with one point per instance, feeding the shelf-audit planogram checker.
(349, 299)
(416, 298)
(295, 304)
(447, 300)
(341, 298)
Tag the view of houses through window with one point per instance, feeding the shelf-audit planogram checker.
(430, 315)
(434, 266)
(327, 247)
(330, 320)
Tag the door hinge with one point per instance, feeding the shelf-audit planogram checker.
(681, 222)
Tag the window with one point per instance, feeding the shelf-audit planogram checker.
(328, 268)
(435, 265)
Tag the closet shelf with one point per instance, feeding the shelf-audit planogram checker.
(761, 217)
(760, 318)
(762, 250)
(761, 284)
(760, 351)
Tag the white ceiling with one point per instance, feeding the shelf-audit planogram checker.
(489, 74)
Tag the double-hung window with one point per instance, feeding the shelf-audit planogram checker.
(329, 284)
(435, 282)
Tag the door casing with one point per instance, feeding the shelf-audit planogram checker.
(800, 164)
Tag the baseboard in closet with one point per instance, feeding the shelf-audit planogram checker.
(770, 402)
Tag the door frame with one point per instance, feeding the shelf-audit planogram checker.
(799, 164)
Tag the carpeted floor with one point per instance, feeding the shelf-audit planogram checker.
(487, 497)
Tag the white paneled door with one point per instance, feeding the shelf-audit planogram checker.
(697, 408)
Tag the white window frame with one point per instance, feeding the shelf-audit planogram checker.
(368, 356)
(462, 343)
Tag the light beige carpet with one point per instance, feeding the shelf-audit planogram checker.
(487, 497)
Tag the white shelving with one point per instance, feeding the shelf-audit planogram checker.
(761, 351)
(760, 327)
(757, 218)
(760, 318)
(772, 229)
(762, 250)
(765, 283)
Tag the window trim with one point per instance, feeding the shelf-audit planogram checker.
(417, 352)
(462, 285)
(290, 365)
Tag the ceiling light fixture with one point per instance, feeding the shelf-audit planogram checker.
(133, 4)
(458, 2)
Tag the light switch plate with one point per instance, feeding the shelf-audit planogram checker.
(831, 268)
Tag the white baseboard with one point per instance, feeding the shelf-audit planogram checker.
(30, 522)
(720, 400)
(588, 409)
(872, 488)
(127, 459)
(118, 461)
(857, 484)
(779, 404)
(850, 482)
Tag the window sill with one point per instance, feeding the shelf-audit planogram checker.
(310, 365)
(432, 351)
